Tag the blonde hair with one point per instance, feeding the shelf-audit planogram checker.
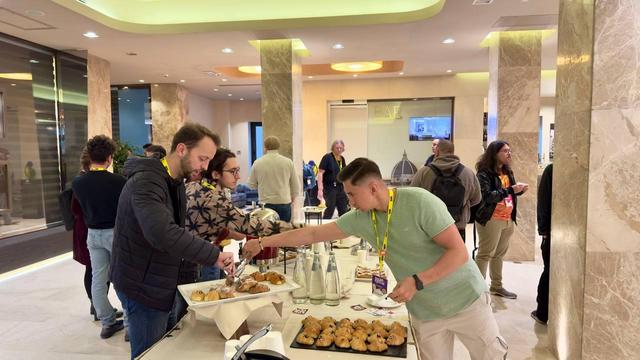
(272, 143)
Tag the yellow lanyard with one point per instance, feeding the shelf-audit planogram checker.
(166, 166)
(382, 251)
(97, 169)
(339, 162)
(208, 185)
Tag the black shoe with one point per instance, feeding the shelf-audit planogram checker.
(502, 292)
(119, 314)
(126, 335)
(108, 331)
(534, 315)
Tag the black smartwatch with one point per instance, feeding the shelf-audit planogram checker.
(419, 284)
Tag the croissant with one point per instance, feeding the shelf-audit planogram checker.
(304, 339)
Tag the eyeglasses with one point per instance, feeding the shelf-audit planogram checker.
(233, 171)
(506, 151)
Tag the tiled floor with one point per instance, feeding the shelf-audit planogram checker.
(44, 314)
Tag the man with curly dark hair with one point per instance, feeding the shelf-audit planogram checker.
(98, 192)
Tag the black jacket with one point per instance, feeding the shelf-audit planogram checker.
(150, 240)
(544, 201)
(492, 194)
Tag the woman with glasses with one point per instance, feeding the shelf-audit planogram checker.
(496, 214)
(211, 213)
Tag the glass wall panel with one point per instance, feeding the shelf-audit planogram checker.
(396, 126)
(30, 150)
(132, 124)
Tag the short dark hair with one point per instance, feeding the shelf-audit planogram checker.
(100, 147)
(359, 169)
(217, 163)
(145, 146)
(190, 134)
(157, 150)
(446, 147)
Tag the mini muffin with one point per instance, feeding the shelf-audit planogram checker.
(197, 295)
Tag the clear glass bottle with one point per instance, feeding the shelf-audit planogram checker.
(316, 282)
(300, 294)
(332, 282)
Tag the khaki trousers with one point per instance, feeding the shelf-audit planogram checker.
(475, 326)
(493, 244)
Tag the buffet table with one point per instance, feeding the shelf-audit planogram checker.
(197, 337)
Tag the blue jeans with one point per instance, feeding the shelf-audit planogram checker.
(209, 273)
(146, 325)
(283, 210)
(178, 310)
(99, 242)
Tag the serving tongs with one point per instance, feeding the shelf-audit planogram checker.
(235, 279)
(260, 333)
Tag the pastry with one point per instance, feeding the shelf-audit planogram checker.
(246, 285)
(309, 319)
(328, 330)
(212, 296)
(304, 339)
(197, 295)
(277, 279)
(327, 322)
(375, 338)
(345, 322)
(377, 347)
(342, 342)
(258, 276)
(328, 318)
(380, 331)
(344, 332)
(395, 339)
(360, 323)
(229, 281)
(259, 288)
(358, 344)
(399, 329)
(324, 340)
(226, 292)
(360, 334)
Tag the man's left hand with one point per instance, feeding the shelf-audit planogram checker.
(404, 290)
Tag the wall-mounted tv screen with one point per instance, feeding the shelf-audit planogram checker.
(427, 128)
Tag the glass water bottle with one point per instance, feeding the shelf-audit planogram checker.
(300, 294)
(332, 282)
(316, 282)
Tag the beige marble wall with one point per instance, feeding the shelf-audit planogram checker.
(169, 110)
(514, 110)
(595, 287)
(99, 96)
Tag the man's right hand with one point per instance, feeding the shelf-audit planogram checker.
(225, 262)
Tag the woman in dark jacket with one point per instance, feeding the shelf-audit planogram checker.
(496, 214)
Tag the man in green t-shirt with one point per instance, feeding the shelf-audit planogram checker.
(442, 288)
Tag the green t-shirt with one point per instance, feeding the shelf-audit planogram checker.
(417, 217)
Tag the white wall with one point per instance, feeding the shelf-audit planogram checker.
(548, 113)
(201, 110)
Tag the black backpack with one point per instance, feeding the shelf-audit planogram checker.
(450, 190)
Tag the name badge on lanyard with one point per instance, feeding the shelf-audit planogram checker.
(379, 281)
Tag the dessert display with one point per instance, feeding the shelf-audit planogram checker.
(252, 284)
(365, 274)
(357, 336)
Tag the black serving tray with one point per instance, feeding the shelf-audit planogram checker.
(392, 351)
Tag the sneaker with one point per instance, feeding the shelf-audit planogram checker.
(119, 314)
(108, 331)
(503, 293)
(534, 315)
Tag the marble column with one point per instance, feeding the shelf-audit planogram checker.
(99, 96)
(514, 110)
(595, 251)
(169, 111)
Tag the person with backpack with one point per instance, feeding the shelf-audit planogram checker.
(455, 184)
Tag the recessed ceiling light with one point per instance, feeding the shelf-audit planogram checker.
(156, 85)
(216, 89)
(140, 81)
(449, 70)
(166, 75)
(357, 66)
(13, 84)
(37, 13)
(125, 88)
(131, 53)
(401, 73)
(241, 99)
(448, 41)
(229, 94)
(182, 81)
(128, 100)
(355, 75)
(16, 76)
(34, 61)
(250, 69)
(309, 77)
(91, 35)
(225, 80)
(338, 46)
(227, 50)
